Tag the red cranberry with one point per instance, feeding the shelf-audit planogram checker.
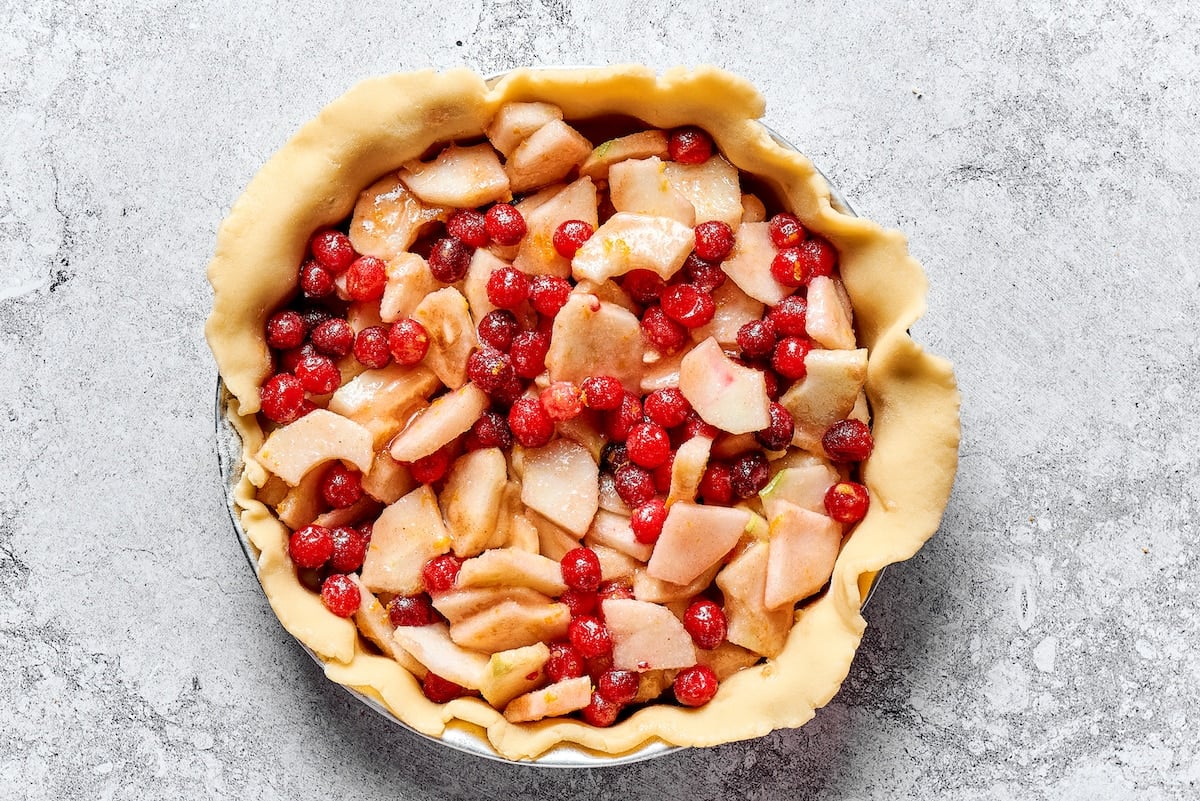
(282, 397)
(778, 433)
(602, 392)
(318, 374)
(310, 546)
(790, 269)
(648, 445)
(570, 236)
(285, 330)
(618, 686)
(440, 573)
(504, 224)
(847, 501)
(705, 621)
(716, 486)
(664, 334)
(616, 588)
(366, 530)
(408, 341)
(581, 569)
(508, 393)
(589, 636)
(706, 276)
(332, 250)
(667, 407)
(449, 259)
(315, 280)
(786, 230)
(411, 610)
(789, 355)
(497, 328)
(848, 441)
(564, 662)
(489, 431)
(530, 424)
(619, 422)
(714, 240)
(290, 359)
(695, 686)
(341, 487)
(643, 286)
(771, 380)
(507, 287)
(334, 337)
(371, 347)
(756, 338)
(340, 595)
(349, 549)
(634, 484)
(688, 306)
(647, 521)
(600, 712)
(439, 690)
(819, 255)
(548, 294)
(748, 474)
(489, 368)
(528, 353)
(468, 226)
(696, 427)
(789, 316)
(689, 145)
(432, 468)
(580, 602)
(662, 475)
(314, 316)
(366, 279)
(562, 400)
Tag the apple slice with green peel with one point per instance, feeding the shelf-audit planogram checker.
(387, 481)
(537, 254)
(560, 698)
(640, 186)
(515, 122)
(512, 624)
(561, 481)
(432, 647)
(640, 145)
(303, 502)
(646, 636)
(734, 309)
(507, 567)
(319, 436)
(800, 486)
(726, 659)
(446, 316)
(750, 623)
(827, 319)
(804, 546)
(553, 540)
(614, 531)
(688, 469)
(406, 535)
(471, 500)
(628, 242)
(591, 337)
(652, 590)
(693, 539)
(713, 189)
(826, 394)
(382, 400)
(514, 672)
(373, 622)
(447, 417)
(725, 394)
(546, 156)
(388, 218)
(409, 281)
(616, 565)
(460, 603)
(749, 265)
(460, 177)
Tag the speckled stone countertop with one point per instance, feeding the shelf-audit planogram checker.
(1041, 157)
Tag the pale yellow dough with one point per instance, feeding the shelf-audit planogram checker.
(382, 123)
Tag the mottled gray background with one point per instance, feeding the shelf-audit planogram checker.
(1041, 156)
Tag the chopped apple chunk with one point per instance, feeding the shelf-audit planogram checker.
(562, 482)
(750, 623)
(388, 480)
(471, 500)
(373, 622)
(725, 394)
(406, 535)
(640, 186)
(514, 672)
(447, 417)
(646, 636)
(507, 567)
(432, 647)
(591, 337)
(549, 153)
(614, 564)
(688, 469)
(460, 603)
(726, 659)
(648, 588)
(734, 309)
(827, 320)
(804, 546)
(713, 189)
(460, 177)
(633, 242)
(614, 531)
(446, 316)
(319, 436)
(537, 254)
(801, 486)
(515, 122)
(382, 400)
(749, 265)
(826, 394)
(553, 539)
(388, 218)
(511, 624)
(640, 145)
(693, 539)
(409, 280)
(560, 698)
(303, 502)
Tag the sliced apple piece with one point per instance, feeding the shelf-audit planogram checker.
(826, 394)
(591, 337)
(753, 209)
(560, 698)
(448, 416)
(361, 314)
(515, 122)
(387, 481)
(364, 508)
(553, 540)
(749, 265)
(373, 622)
(827, 320)
(614, 564)
(471, 500)
(688, 469)
(725, 394)
(663, 372)
(726, 659)
(561, 482)
(432, 647)
(640, 145)
(409, 281)
(460, 603)
(654, 683)
(446, 316)
(610, 499)
(514, 672)
(586, 429)
(734, 309)
(750, 624)
(693, 539)
(303, 502)
(861, 410)
(406, 535)
(382, 400)
(522, 534)
(646, 636)
(728, 446)
(711, 187)
(609, 292)
(507, 567)
(640, 186)
(460, 177)
(388, 218)
(319, 436)
(483, 263)
(546, 156)
(537, 254)
(512, 624)
(628, 242)
(614, 531)
(652, 590)
(801, 486)
(804, 546)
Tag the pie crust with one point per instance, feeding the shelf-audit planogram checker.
(314, 180)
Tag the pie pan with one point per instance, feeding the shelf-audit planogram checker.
(383, 122)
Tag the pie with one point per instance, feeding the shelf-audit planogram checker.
(572, 408)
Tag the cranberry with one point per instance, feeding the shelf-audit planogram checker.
(847, 501)
(570, 236)
(581, 569)
(696, 427)
(318, 374)
(789, 316)
(285, 330)
(489, 368)
(756, 338)
(643, 286)
(528, 353)
(439, 690)
(580, 602)
(333, 337)
(662, 475)
(440, 573)
(613, 456)
(771, 380)
(411, 610)
(332, 250)
(489, 431)
(507, 287)
(408, 341)
(748, 474)
(314, 316)
(647, 521)
(564, 662)
(315, 280)
(667, 407)
(714, 240)
(707, 277)
(341, 487)
(508, 393)
(371, 347)
(648, 445)
(504, 224)
(340, 595)
(449, 259)
(366, 279)
(366, 530)
(786, 230)
(778, 433)
(848, 441)
(432, 468)
(497, 328)
(789, 355)
(616, 588)
(790, 269)
(349, 549)
(695, 686)
(716, 486)
(689, 145)
(310, 546)
(548, 294)
(589, 636)
(282, 397)
(618, 686)
(530, 424)
(602, 392)
(619, 422)
(468, 226)
(819, 255)
(289, 359)
(705, 621)
(562, 400)
(688, 306)
(664, 334)
(634, 484)
(600, 712)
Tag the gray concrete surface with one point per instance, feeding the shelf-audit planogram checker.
(1042, 158)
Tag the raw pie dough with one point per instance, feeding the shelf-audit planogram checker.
(383, 122)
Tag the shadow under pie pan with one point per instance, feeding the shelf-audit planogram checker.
(912, 398)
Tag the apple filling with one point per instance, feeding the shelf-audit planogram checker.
(571, 428)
